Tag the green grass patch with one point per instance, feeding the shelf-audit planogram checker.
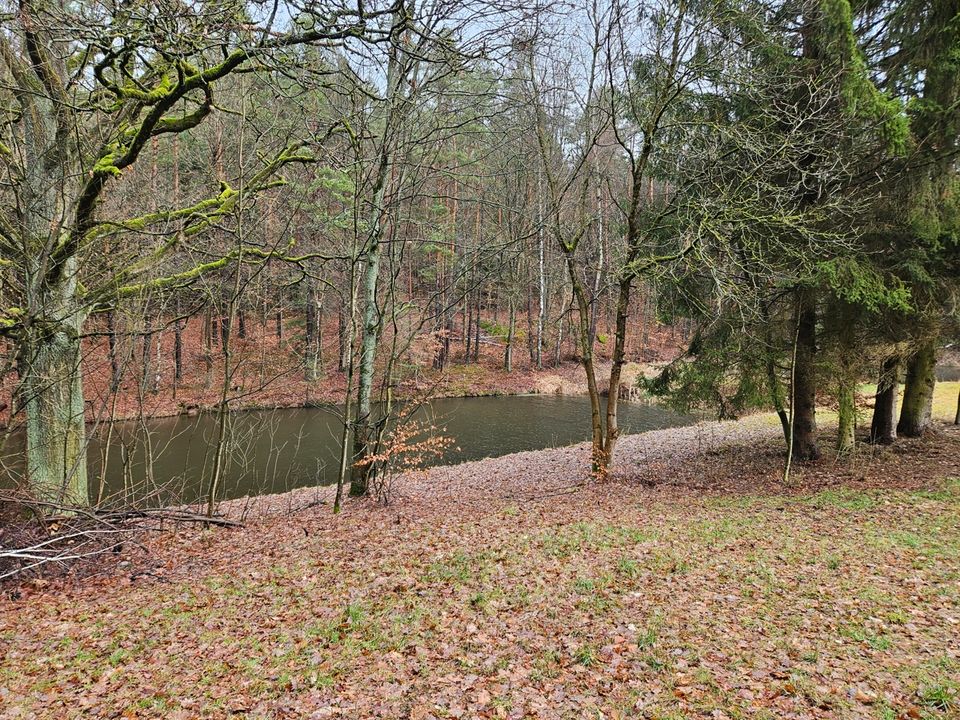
(843, 498)
(582, 536)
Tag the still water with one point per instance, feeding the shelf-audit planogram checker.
(278, 450)
(947, 373)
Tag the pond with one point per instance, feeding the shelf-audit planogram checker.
(947, 373)
(277, 450)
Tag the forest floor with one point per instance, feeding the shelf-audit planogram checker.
(692, 584)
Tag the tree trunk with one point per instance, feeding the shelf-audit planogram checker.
(541, 280)
(847, 421)
(511, 329)
(883, 427)
(208, 334)
(224, 332)
(347, 359)
(178, 350)
(467, 329)
(804, 393)
(558, 346)
(445, 342)
(598, 451)
(53, 397)
(616, 368)
(918, 390)
(360, 476)
(343, 336)
(530, 344)
(368, 348)
(157, 364)
(310, 333)
(320, 331)
(476, 335)
(645, 322)
(114, 362)
(145, 356)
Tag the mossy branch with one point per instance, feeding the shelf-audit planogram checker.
(201, 209)
(199, 217)
(203, 214)
(186, 277)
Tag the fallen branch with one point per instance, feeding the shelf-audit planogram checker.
(51, 550)
(67, 512)
(178, 516)
(62, 534)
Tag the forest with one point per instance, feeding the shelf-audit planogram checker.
(480, 358)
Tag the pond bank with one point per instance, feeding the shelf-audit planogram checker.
(509, 588)
(656, 457)
(270, 373)
(277, 450)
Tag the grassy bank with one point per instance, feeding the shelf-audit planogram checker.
(543, 599)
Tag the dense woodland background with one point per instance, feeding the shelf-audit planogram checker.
(224, 205)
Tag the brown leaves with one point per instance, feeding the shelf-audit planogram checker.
(492, 600)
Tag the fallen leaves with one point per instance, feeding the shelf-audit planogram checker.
(491, 601)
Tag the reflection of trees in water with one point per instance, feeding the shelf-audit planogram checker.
(163, 461)
(167, 460)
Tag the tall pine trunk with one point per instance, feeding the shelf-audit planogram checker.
(804, 391)
(467, 329)
(918, 390)
(476, 331)
(511, 329)
(883, 427)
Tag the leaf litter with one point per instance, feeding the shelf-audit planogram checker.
(689, 585)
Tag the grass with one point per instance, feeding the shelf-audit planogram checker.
(844, 498)
(586, 655)
(943, 696)
(632, 602)
(944, 398)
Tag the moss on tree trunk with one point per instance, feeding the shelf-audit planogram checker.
(360, 475)
(918, 390)
(847, 420)
(52, 392)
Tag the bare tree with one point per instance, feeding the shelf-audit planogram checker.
(87, 105)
